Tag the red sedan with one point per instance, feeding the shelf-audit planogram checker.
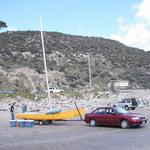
(117, 117)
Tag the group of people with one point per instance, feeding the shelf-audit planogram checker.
(12, 110)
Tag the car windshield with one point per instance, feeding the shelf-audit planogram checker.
(121, 110)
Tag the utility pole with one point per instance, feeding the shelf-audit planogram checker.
(89, 64)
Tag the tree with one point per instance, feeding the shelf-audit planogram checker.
(3, 24)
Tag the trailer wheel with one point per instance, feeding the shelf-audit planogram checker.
(50, 121)
(41, 122)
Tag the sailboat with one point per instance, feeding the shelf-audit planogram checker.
(52, 114)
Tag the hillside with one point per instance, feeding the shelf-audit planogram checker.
(21, 62)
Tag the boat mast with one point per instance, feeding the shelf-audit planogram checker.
(45, 64)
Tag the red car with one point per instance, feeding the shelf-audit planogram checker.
(114, 117)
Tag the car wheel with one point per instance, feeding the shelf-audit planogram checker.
(124, 124)
(92, 123)
(126, 107)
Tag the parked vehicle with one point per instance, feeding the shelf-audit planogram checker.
(55, 90)
(127, 104)
(121, 117)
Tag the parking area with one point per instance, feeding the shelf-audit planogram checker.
(72, 135)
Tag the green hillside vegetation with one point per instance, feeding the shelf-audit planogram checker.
(67, 61)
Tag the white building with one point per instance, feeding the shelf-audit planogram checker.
(114, 85)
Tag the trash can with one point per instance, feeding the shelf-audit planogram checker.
(29, 123)
(21, 123)
(13, 123)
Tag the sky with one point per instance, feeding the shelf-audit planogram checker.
(127, 21)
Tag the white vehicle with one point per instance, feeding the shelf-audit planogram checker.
(127, 104)
(55, 90)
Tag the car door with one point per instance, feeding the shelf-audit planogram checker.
(111, 118)
(121, 104)
(100, 115)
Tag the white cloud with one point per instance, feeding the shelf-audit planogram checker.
(137, 34)
(143, 10)
(11, 29)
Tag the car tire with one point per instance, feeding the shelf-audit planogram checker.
(92, 123)
(124, 124)
(126, 107)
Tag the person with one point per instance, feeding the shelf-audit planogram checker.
(12, 111)
(24, 108)
(114, 108)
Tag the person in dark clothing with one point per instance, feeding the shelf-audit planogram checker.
(24, 108)
(114, 108)
(12, 111)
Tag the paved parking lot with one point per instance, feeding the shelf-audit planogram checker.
(73, 135)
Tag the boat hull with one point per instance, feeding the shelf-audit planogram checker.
(63, 115)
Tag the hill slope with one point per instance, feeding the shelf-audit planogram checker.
(21, 61)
